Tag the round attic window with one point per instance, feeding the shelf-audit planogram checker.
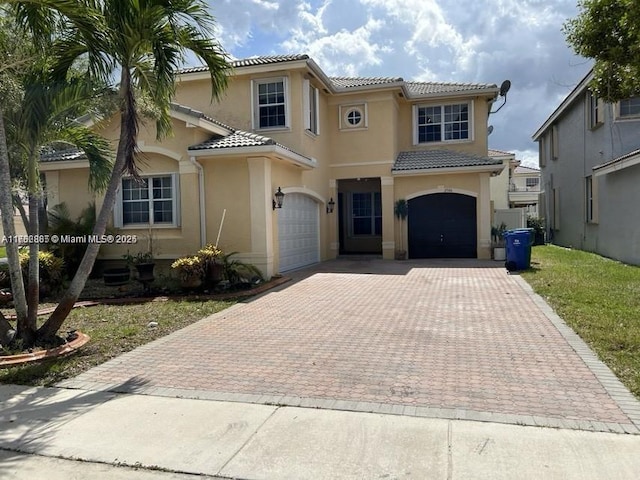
(354, 117)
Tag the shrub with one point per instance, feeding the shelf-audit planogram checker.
(51, 270)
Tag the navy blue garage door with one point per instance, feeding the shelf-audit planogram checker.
(442, 225)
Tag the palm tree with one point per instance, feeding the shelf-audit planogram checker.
(42, 118)
(144, 42)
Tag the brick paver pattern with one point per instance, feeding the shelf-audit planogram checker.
(411, 334)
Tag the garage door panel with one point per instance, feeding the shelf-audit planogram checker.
(442, 226)
(298, 232)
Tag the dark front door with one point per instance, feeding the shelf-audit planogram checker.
(442, 225)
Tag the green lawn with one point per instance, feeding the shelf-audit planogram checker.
(114, 329)
(3, 252)
(599, 298)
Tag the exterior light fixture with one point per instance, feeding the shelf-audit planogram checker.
(277, 203)
(330, 205)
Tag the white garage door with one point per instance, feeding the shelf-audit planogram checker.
(298, 232)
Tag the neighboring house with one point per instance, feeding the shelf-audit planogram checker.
(17, 223)
(516, 186)
(524, 189)
(357, 143)
(590, 162)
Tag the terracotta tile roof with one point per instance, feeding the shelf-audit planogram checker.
(198, 114)
(63, 155)
(524, 170)
(253, 61)
(426, 88)
(351, 82)
(499, 153)
(434, 159)
(237, 139)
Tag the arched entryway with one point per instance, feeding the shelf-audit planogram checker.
(442, 225)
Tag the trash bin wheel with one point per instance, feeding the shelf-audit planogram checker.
(511, 266)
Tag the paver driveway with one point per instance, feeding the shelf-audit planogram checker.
(439, 338)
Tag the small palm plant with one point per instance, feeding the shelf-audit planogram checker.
(401, 211)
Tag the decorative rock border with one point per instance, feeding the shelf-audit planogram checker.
(40, 355)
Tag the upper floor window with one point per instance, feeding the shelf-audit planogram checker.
(270, 103)
(630, 107)
(596, 110)
(311, 110)
(149, 201)
(442, 123)
(353, 116)
(531, 182)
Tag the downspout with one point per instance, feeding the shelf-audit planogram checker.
(203, 216)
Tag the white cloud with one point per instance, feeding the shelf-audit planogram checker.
(342, 53)
(483, 41)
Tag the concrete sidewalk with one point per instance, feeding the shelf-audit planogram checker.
(104, 434)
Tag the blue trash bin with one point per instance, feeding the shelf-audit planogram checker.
(518, 243)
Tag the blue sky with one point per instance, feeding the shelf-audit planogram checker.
(484, 41)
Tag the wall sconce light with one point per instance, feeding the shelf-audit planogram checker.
(330, 205)
(277, 203)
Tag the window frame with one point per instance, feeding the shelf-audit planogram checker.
(346, 109)
(375, 216)
(118, 211)
(596, 110)
(256, 107)
(630, 116)
(311, 104)
(534, 180)
(443, 123)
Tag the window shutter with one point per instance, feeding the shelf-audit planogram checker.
(316, 93)
(415, 124)
(117, 208)
(306, 99)
(177, 210)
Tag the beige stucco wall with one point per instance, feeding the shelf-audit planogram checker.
(476, 145)
(476, 185)
(500, 187)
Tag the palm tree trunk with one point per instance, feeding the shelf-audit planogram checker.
(27, 330)
(126, 146)
(6, 208)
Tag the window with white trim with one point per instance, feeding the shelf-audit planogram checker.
(311, 110)
(366, 214)
(442, 123)
(353, 116)
(270, 103)
(149, 201)
(629, 107)
(531, 182)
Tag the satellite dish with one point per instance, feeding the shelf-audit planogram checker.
(490, 130)
(504, 88)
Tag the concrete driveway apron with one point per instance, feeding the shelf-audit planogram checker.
(450, 339)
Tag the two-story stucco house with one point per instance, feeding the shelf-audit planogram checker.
(342, 150)
(590, 164)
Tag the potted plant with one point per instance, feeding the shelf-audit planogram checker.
(498, 243)
(212, 256)
(401, 211)
(190, 270)
(144, 264)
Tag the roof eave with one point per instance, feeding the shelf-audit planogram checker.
(273, 150)
(449, 170)
(566, 103)
(482, 92)
(616, 165)
(52, 165)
